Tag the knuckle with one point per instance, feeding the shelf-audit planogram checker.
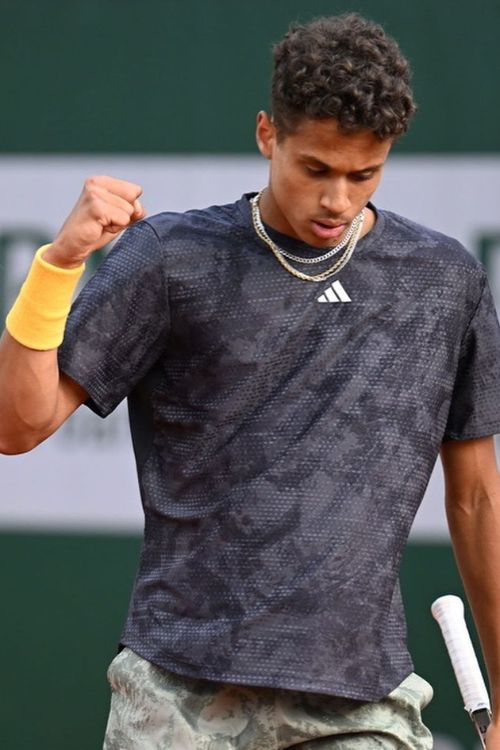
(96, 181)
(136, 190)
(97, 207)
(91, 181)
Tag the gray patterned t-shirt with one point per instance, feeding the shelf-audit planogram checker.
(283, 443)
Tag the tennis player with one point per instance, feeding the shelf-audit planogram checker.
(294, 363)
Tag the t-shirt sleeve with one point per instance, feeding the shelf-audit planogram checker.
(118, 325)
(475, 404)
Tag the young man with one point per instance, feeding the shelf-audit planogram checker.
(294, 363)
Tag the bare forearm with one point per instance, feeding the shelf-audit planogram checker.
(29, 383)
(475, 529)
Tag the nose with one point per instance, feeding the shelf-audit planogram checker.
(335, 197)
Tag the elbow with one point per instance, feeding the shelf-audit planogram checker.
(475, 509)
(7, 450)
(16, 445)
(20, 435)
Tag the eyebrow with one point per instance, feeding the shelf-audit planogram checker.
(317, 162)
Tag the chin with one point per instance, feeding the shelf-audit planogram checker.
(317, 242)
(309, 238)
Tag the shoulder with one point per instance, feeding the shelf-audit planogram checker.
(195, 223)
(432, 245)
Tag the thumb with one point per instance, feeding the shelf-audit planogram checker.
(139, 211)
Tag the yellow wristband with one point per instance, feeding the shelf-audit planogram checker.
(38, 317)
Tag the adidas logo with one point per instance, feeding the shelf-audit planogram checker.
(334, 293)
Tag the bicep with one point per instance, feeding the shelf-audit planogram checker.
(35, 397)
(71, 395)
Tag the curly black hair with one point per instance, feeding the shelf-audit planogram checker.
(344, 67)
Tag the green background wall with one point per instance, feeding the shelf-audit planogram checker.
(187, 76)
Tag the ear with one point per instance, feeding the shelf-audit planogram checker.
(265, 134)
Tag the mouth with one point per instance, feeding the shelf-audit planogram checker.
(326, 229)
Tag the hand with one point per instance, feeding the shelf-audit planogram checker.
(105, 207)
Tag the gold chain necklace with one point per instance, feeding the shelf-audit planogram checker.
(340, 263)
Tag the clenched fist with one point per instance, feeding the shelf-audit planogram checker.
(105, 207)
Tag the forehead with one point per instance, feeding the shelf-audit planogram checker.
(324, 141)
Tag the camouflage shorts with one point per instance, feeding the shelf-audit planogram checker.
(152, 709)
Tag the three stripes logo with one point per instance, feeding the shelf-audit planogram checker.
(334, 293)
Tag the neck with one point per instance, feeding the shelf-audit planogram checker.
(369, 221)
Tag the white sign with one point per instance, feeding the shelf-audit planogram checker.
(83, 477)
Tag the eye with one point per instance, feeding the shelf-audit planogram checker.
(316, 171)
(363, 177)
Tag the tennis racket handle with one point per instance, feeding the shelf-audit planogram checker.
(449, 612)
(481, 721)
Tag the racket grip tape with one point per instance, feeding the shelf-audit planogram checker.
(449, 612)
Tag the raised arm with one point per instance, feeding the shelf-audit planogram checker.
(473, 508)
(35, 398)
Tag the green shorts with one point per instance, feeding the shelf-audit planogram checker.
(152, 709)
